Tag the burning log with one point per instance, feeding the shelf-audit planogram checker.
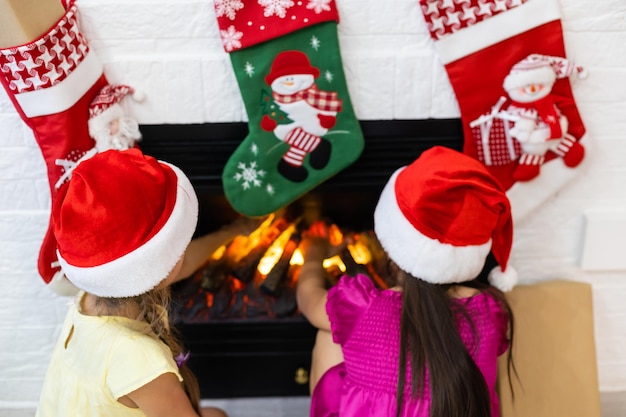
(271, 284)
(215, 274)
(253, 277)
(285, 305)
(246, 267)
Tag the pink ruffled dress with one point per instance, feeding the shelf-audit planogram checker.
(365, 321)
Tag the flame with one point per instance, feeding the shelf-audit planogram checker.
(335, 237)
(241, 245)
(274, 252)
(360, 253)
(363, 248)
(209, 299)
(236, 285)
(265, 225)
(335, 260)
(298, 259)
(219, 253)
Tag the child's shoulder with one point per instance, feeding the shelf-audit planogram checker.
(358, 283)
(358, 289)
(484, 301)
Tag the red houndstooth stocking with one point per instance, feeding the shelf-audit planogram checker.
(51, 82)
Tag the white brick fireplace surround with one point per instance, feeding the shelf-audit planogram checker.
(171, 50)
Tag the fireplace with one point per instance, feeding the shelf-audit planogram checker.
(250, 352)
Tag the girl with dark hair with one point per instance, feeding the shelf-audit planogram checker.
(429, 345)
(123, 225)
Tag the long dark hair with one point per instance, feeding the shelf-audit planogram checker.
(430, 339)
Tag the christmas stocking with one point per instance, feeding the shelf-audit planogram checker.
(506, 62)
(51, 81)
(302, 128)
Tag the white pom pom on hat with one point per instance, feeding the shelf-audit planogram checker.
(439, 217)
(122, 222)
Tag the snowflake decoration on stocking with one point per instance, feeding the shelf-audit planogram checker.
(249, 69)
(315, 42)
(231, 38)
(228, 8)
(275, 7)
(249, 175)
(319, 6)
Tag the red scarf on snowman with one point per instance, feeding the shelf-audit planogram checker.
(321, 100)
(548, 111)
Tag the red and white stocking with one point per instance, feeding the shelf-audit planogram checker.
(51, 82)
(479, 42)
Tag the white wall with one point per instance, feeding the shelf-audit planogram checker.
(172, 51)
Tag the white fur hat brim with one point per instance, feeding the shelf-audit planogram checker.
(145, 267)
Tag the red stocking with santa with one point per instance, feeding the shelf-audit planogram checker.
(507, 64)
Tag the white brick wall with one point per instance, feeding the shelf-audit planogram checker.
(172, 51)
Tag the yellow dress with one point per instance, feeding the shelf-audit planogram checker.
(98, 360)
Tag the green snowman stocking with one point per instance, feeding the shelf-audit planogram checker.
(302, 127)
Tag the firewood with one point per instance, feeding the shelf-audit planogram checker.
(271, 284)
(246, 267)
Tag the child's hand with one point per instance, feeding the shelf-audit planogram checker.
(320, 242)
(314, 249)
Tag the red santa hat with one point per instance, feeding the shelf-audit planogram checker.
(291, 63)
(105, 107)
(122, 222)
(439, 217)
(537, 68)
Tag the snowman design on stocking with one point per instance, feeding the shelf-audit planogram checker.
(305, 114)
(538, 122)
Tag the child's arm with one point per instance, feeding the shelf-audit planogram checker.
(201, 248)
(311, 292)
(163, 397)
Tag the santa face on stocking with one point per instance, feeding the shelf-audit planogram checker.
(539, 126)
(305, 114)
(108, 124)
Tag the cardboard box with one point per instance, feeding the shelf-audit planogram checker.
(554, 352)
(22, 21)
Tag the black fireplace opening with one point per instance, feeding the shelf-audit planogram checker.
(256, 354)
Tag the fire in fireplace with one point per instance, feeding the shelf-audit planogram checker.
(254, 277)
(238, 315)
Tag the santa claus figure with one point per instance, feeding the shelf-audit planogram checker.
(310, 114)
(540, 126)
(108, 124)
